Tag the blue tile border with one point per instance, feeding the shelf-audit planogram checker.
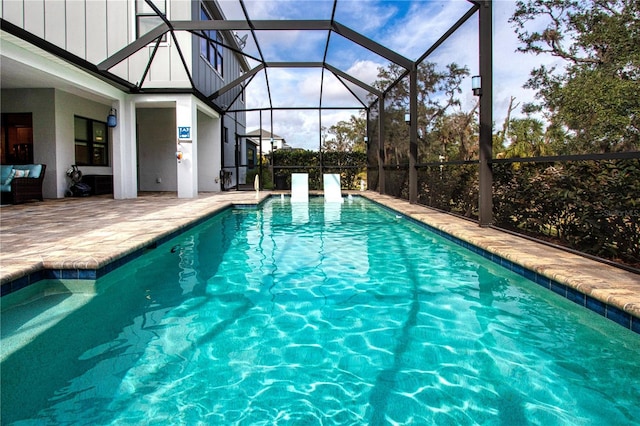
(619, 316)
(604, 309)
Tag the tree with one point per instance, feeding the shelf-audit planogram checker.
(348, 136)
(437, 93)
(457, 135)
(527, 138)
(595, 95)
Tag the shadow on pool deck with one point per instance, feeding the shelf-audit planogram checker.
(89, 233)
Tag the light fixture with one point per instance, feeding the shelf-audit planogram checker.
(112, 120)
(366, 140)
(407, 118)
(476, 85)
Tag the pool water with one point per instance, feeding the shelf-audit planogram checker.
(312, 314)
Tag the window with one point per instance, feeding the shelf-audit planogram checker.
(92, 142)
(17, 138)
(211, 44)
(225, 135)
(146, 17)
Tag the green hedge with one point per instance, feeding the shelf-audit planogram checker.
(350, 165)
(590, 206)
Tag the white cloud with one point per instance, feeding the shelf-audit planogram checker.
(365, 71)
(365, 16)
(423, 25)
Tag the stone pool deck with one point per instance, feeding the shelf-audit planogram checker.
(88, 234)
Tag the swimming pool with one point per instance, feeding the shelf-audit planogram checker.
(316, 314)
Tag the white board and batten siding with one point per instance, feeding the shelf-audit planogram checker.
(95, 29)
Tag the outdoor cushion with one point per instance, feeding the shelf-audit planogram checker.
(6, 171)
(5, 188)
(20, 173)
(33, 170)
(7, 181)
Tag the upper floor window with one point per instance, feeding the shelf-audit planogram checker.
(92, 142)
(211, 44)
(147, 19)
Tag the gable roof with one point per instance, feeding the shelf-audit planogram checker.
(263, 134)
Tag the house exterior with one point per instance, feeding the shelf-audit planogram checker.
(269, 141)
(65, 81)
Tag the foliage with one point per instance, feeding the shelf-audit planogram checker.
(451, 188)
(595, 95)
(350, 165)
(347, 135)
(591, 206)
(288, 161)
(454, 136)
(437, 94)
(589, 103)
(527, 137)
(397, 182)
(265, 177)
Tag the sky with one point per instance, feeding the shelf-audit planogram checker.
(408, 27)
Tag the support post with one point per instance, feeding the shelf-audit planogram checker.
(237, 157)
(381, 156)
(125, 179)
(260, 155)
(367, 144)
(413, 134)
(187, 168)
(273, 157)
(223, 117)
(320, 153)
(485, 203)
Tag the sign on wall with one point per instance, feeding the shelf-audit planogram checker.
(184, 132)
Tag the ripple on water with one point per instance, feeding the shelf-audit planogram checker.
(274, 317)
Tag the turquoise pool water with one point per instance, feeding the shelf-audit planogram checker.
(319, 314)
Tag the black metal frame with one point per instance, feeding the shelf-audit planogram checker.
(483, 7)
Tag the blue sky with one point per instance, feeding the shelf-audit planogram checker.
(408, 27)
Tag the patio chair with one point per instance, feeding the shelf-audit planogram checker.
(299, 187)
(332, 188)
